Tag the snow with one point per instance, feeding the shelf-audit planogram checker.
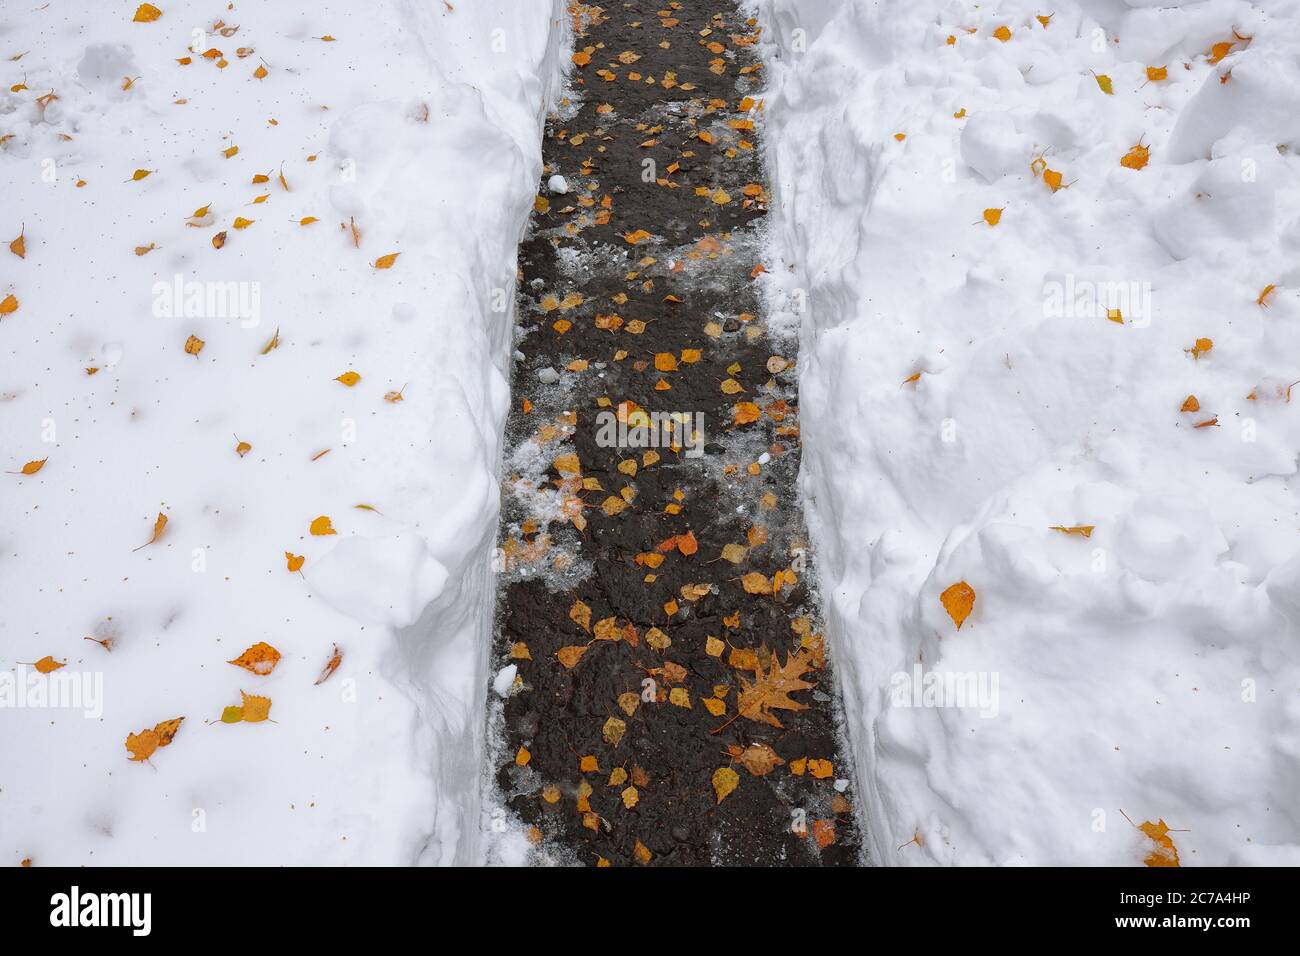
(424, 120)
(1151, 669)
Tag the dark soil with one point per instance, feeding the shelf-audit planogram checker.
(704, 254)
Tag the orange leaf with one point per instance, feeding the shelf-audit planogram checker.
(261, 659)
(321, 526)
(958, 601)
(146, 13)
(47, 664)
(331, 665)
(294, 561)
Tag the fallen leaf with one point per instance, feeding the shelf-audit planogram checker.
(146, 13)
(159, 524)
(331, 665)
(321, 525)
(958, 600)
(260, 659)
(725, 780)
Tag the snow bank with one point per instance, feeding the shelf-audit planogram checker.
(966, 387)
(419, 123)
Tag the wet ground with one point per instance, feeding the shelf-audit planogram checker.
(672, 703)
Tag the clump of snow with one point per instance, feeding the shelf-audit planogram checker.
(417, 123)
(966, 387)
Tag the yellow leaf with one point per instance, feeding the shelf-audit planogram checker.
(1103, 81)
(307, 220)
(1157, 73)
(630, 797)
(386, 262)
(243, 448)
(294, 561)
(8, 305)
(1201, 347)
(256, 709)
(348, 378)
(260, 72)
(159, 524)
(958, 600)
(735, 553)
(146, 13)
(321, 526)
(32, 467)
(755, 582)
(19, 246)
(1083, 530)
(242, 223)
(725, 780)
(680, 697)
(613, 731)
(992, 216)
(219, 240)
(746, 412)
(636, 236)
(641, 853)
(194, 345)
(230, 151)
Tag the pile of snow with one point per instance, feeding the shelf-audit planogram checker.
(1151, 670)
(418, 123)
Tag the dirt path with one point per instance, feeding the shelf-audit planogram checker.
(656, 582)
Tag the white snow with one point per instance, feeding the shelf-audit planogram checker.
(1150, 670)
(424, 121)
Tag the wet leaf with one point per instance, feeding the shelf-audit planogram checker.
(725, 780)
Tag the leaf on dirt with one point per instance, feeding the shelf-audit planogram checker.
(772, 689)
(613, 730)
(725, 780)
(758, 759)
(569, 656)
(580, 614)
